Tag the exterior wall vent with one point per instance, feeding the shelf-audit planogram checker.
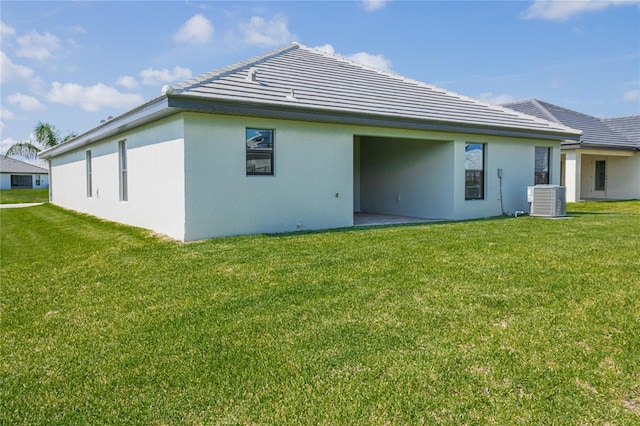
(253, 74)
(547, 200)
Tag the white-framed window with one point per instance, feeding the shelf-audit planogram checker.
(543, 162)
(122, 163)
(259, 149)
(474, 159)
(89, 172)
(37, 180)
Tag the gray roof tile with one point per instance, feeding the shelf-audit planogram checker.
(626, 126)
(595, 131)
(322, 81)
(11, 165)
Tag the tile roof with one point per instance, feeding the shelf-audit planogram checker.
(627, 126)
(300, 83)
(305, 78)
(614, 133)
(11, 165)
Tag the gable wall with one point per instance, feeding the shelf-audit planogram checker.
(155, 178)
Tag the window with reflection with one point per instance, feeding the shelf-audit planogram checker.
(474, 171)
(259, 145)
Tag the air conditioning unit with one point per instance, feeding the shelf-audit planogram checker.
(547, 200)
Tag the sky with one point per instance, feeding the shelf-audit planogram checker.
(74, 63)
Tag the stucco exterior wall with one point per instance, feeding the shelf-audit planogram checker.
(187, 176)
(311, 187)
(622, 170)
(407, 177)
(155, 178)
(516, 158)
(5, 180)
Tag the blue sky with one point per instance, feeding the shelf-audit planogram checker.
(74, 63)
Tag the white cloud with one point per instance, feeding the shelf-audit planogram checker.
(197, 30)
(631, 95)
(16, 72)
(6, 31)
(78, 29)
(128, 82)
(91, 98)
(369, 59)
(5, 114)
(154, 77)
(5, 144)
(496, 99)
(327, 48)
(260, 32)
(561, 10)
(25, 102)
(37, 46)
(372, 5)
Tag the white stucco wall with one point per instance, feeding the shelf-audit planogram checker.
(516, 158)
(5, 181)
(313, 164)
(622, 170)
(187, 176)
(155, 178)
(408, 177)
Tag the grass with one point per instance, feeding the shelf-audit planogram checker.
(501, 321)
(17, 196)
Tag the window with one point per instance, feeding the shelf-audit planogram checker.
(21, 182)
(122, 154)
(543, 154)
(474, 172)
(601, 175)
(89, 186)
(259, 143)
(37, 180)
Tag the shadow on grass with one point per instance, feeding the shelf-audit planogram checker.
(364, 228)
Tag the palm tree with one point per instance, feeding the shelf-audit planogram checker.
(45, 136)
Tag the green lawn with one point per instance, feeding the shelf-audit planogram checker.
(16, 196)
(502, 321)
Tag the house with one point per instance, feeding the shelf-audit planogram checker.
(15, 174)
(605, 163)
(299, 139)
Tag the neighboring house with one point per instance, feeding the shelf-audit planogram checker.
(16, 174)
(605, 163)
(300, 139)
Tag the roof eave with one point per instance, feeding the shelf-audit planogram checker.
(584, 145)
(296, 112)
(151, 111)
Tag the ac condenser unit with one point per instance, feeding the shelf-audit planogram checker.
(547, 200)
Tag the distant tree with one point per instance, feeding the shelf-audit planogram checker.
(45, 136)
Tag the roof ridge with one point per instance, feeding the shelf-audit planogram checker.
(544, 110)
(621, 117)
(221, 72)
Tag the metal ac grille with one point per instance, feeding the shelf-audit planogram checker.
(548, 201)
